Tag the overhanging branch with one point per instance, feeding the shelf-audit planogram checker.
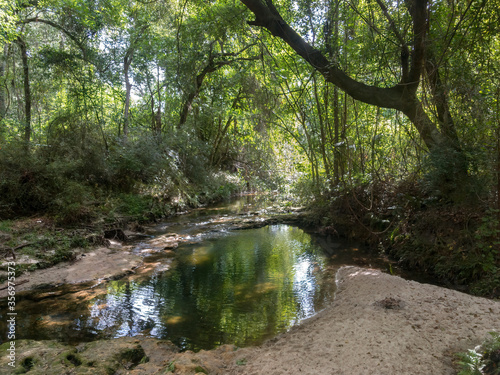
(73, 37)
(267, 16)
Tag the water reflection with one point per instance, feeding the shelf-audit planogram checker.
(241, 288)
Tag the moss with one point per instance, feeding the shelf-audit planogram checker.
(170, 367)
(73, 359)
(131, 357)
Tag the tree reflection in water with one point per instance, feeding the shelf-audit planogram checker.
(240, 288)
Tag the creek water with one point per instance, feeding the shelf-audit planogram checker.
(240, 287)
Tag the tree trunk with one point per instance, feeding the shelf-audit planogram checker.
(127, 60)
(222, 131)
(441, 101)
(214, 63)
(3, 91)
(157, 120)
(336, 142)
(27, 92)
(211, 67)
(323, 118)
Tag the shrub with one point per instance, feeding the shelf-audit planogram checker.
(483, 359)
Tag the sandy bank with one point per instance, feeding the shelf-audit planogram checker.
(378, 324)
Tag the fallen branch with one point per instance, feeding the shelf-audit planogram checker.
(12, 249)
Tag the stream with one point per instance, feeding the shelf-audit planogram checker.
(222, 286)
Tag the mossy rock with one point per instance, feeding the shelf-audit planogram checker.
(131, 357)
(37, 357)
(50, 357)
(109, 356)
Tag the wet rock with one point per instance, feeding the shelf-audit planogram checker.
(169, 253)
(99, 357)
(36, 357)
(101, 263)
(135, 235)
(171, 245)
(125, 355)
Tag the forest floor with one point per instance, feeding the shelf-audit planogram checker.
(377, 324)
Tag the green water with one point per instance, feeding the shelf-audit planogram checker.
(239, 288)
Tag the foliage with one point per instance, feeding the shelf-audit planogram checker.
(170, 367)
(444, 177)
(241, 362)
(7, 21)
(141, 109)
(483, 359)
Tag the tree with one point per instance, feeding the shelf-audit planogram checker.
(127, 60)
(7, 35)
(27, 92)
(418, 62)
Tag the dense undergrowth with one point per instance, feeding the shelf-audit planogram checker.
(55, 199)
(142, 180)
(456, 243)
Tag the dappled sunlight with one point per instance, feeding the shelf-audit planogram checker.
(250, 292)
(174, 320)
(52, 322)
(265, 287)
(147, 268)
(365, 272)
(200, 255)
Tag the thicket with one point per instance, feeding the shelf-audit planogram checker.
(145, 179)
(456, 244)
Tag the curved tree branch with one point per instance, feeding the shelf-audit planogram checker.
(267, 16)
(73, 37)
(401, 97)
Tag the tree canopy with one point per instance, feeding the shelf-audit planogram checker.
(316, 92)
